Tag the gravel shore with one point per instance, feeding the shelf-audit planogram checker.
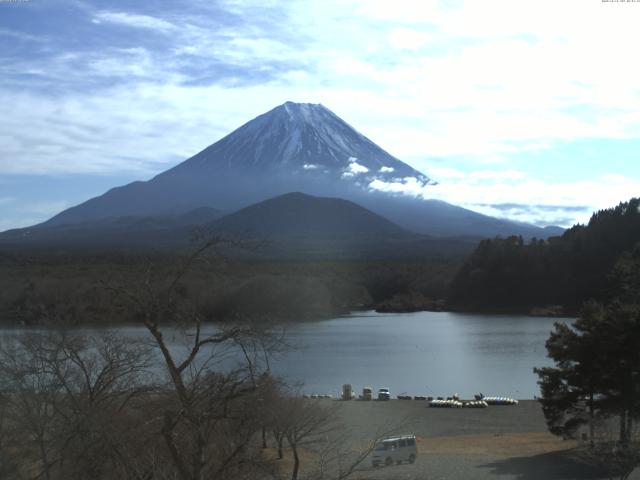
(498, 442)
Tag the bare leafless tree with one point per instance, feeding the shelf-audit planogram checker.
(340, 457)
(314, 431)
(208, 423)
(308, 423)
(63, 394)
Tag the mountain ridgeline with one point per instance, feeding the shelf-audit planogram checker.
(292, 148)
(558, 274)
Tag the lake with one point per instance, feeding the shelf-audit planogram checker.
(427, 353)
(423, 353)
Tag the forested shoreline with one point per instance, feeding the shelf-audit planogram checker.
(555, 276)
(503, 275)
(54, 289)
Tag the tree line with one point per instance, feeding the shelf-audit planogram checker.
(561, 272)
(44, 290)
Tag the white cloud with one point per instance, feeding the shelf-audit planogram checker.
(22, 35)
(407, 38)
(501, 75)
(125, 62)
(487, 192)
(386, 169)
(446, 172)
(403, 11)
(497, 175)
(124, 130)
(135, 21)
(518, 196)
(354, 168)
(405, 186)
(310, 166)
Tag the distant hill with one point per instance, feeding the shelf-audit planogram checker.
(290, 226)
(294, 147)
(513, 274)
(300, 226)
(300, 216)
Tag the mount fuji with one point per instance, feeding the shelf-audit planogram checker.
(292, 148)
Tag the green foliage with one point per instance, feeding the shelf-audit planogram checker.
(597, 372)
(570, 391)
(510, 274)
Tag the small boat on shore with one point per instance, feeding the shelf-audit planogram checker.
(445, 403)
(500, 400)
(475, 404)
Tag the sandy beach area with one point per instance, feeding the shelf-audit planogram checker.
(498, 442)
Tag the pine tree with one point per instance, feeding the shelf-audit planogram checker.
(597, 359)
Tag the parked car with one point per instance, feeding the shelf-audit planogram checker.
(383, 394)
(395, 450)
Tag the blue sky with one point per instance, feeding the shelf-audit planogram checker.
(522, 109)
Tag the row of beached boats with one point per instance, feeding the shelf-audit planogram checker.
(480, 402)
(457, 404)
(440, 402)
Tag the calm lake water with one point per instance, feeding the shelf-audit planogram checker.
(428, 353)
(424, 353)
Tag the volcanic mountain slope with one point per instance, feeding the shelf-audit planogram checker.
(112, 233)
(292, 148)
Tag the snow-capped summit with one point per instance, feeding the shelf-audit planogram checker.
(296, 147)
(308, 140)
(293, 147)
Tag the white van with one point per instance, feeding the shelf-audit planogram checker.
(395, 450)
